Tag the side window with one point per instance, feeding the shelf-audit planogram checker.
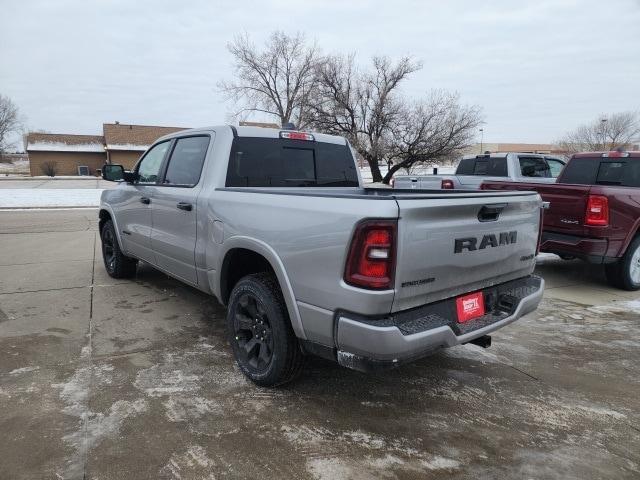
(610, 173)
(466, 166)
(185, 164)
(149, 167)
(534, 167)
(555, 166)
(632, 175)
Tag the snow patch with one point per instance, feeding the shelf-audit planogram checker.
(54, 197)
(193, 463)
(332, 468)
(18, 371)
(441, 463)
(181, 409)
(127, 146)
(629, 306)
(603, 411)
(65, 147)
(158, 380)
(92, 427)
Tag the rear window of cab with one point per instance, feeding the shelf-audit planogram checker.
(271, 162)
(624, 172)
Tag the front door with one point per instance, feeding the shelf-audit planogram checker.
(174, 212)
(135, 204)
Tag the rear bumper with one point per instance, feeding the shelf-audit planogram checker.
(367, 344)
(593, 250)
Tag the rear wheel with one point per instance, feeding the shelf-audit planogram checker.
(625, 273)
(117, 264)
(263, 342)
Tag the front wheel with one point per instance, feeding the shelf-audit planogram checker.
(625, 273)
(117, 264)
(264, 345)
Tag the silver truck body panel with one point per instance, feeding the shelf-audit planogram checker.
(304, 234)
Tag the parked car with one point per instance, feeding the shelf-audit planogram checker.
(473, 170)
(594, 213)
(277, 226)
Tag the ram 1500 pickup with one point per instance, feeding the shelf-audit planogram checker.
(277, 226)
(474, 169)
(594, 213)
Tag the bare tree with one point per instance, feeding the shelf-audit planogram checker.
(9, 121)
(608, 132)
(277, 80)
(432, 130)
(382, 126)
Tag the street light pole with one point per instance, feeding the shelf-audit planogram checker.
(481, 138)
(603, 122)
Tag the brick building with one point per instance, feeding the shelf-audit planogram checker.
(125, 143)
(63, 154)
(66, 154)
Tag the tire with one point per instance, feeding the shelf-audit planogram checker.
(117, 264)
(263, 343)
(625, 273)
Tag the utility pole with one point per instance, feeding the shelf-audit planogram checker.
(603, 124)
(481, 139)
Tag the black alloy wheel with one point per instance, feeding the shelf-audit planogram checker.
(253, 333)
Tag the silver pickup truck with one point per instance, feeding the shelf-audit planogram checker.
(277, 226)
(475, 169)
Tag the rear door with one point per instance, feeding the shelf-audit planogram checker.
(174, 212)
(458, 243)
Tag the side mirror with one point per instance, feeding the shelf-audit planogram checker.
(116, 173)
(112, 173)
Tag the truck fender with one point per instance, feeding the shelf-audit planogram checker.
(107, 208)
(272, 257)
(633, 231)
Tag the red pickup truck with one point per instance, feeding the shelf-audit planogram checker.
(594, 213)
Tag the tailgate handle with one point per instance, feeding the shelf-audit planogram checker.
(490, 213)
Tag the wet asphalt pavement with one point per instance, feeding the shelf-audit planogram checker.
(105, 379)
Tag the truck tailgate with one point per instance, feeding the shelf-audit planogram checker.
(461, 243)
(567, 204)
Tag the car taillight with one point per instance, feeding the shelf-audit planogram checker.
(597, 211)
(372, 255)
(446, 184)
(392, 182)
(297, 136)
(615, 154)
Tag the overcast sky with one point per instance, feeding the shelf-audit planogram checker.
(537, 68)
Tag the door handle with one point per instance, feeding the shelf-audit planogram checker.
(184, 206)
(145, 200)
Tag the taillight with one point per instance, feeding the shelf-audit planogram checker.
(297, 136)
(597, 211)
(372, 255)
(392, 182)
(615, 154)
(446, 184)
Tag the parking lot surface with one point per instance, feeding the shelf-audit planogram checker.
(105, 379)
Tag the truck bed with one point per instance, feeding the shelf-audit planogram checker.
(375, 193)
